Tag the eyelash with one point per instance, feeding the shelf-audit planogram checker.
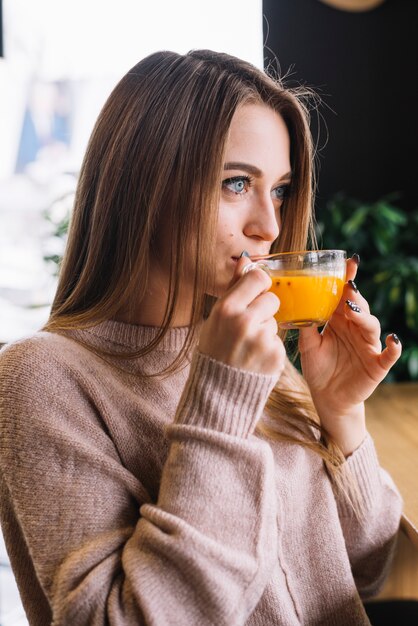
(237, 179)
(248, 182)
(286, 189)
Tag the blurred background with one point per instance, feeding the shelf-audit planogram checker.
(362, 65)
(61, 58)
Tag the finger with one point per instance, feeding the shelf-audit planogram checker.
(264, 307)
(275, 349)
(352, 267)
(351, 292)
(246, 289)
(391, 353)
(271, 326)
(309, 339)
(367, 324)
(351, 271)
(239, 270)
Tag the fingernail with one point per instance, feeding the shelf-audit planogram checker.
(353, 306)
(244, 253)
(395, 338)
(356, 258)
(353, 285)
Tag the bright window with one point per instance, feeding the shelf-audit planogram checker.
(62, 58)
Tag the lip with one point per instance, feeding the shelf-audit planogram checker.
(236, 258)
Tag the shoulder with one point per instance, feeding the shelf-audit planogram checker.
(37, 350)
(47, 397)
(47, 379)
(43, 361)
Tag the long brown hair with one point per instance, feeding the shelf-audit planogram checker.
(155, 157)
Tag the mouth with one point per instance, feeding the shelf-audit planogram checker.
(236, 258)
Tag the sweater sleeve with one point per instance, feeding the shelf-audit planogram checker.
(370, 536)
(102, 551)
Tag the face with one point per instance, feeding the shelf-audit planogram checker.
(255, 181)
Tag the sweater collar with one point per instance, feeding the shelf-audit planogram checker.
(136, 336)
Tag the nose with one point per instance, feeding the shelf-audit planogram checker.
(263, 221)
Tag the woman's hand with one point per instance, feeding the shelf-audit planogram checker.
(345, 363)
(241, 330)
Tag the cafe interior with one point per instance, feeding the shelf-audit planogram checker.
(359, 58)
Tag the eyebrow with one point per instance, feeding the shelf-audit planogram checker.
(251, 169)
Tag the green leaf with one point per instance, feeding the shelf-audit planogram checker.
(380, 241)
(382, 276)
(413, 364)
(353, 224)
(411, 307)
(410, 301)
(392, 215)
(394, 294)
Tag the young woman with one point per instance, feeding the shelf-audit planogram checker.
(162, 462)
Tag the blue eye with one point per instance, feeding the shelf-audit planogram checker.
(281, 192)
(237, 184)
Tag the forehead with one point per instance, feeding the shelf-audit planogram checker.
(258, 132)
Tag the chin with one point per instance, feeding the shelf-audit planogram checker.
(223, 277)
(218, 291)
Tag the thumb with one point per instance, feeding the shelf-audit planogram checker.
(243, 260)
(309, 339)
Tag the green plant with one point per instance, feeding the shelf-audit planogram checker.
(385, 237)
(57, 218)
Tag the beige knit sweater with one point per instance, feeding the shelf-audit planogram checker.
(126, 501)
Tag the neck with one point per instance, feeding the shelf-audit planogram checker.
(151, 309)
(148, 315)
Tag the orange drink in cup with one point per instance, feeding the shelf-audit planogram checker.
(309, 284)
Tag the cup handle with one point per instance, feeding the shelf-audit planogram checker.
(254, 265)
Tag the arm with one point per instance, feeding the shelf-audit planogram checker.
(102, 553)
(371, 536)
(343, 365)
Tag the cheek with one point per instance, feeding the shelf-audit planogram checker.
(225, 248)
(225, 238)
(226, 231)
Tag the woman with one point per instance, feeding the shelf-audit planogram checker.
(162, 461)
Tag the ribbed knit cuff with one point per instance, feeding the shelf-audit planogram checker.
(364, 468)
(223, 398)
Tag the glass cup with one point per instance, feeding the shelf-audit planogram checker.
(309, 284)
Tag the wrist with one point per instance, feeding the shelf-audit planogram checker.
(347, 429)
(222, 398)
